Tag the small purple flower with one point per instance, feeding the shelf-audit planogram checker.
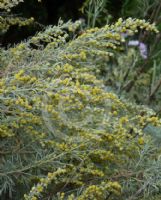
(143, 50)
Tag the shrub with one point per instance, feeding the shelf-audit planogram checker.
(63, 135)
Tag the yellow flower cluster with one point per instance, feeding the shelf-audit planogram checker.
(81, 56)
(97, 192)
(44, 182)
(5, 131)
(73, 27)
(6, 22)
(54, 36)
(26, 78)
